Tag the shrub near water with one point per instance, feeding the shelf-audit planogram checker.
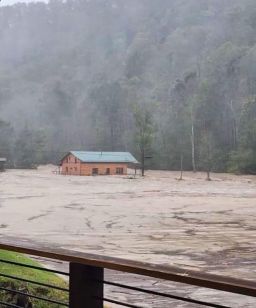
(31, 274)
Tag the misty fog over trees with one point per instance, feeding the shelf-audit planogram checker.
(82, 75)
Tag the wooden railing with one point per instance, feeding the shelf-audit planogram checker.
(86, 278)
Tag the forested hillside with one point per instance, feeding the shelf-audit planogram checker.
(174, 79)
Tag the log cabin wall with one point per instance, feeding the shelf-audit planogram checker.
(73, 166)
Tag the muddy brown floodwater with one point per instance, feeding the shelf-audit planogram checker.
(195, 224)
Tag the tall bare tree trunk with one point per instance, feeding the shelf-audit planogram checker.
(112, 138)
(193, 147)
(142, 162)
(208, 178)
(234, 126)
(181, 167)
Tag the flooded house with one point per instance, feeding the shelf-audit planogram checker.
(2, 163)
(97, 163)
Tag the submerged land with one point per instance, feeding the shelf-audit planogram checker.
(195, 224)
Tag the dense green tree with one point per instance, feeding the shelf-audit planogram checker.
(108, 105)
(29, 149)
(244, 158)
(6, 140)
(144, 133)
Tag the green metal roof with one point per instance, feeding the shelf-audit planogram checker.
(105, 157)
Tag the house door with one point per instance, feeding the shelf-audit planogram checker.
(95, 171)
(108, 171)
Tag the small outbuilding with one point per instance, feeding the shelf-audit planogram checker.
(2, 163)
(97, 163)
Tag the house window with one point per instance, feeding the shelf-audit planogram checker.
(95, 171)
(75, 160)
(108, 171)
(119, 170)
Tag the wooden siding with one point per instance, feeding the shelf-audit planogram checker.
(2, 165)
(72, 166)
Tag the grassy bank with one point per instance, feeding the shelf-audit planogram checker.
(30, 274)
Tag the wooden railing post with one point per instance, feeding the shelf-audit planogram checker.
(86, 286)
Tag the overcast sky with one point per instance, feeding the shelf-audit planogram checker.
(10, 2)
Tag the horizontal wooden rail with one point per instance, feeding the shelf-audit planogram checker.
(196, 278)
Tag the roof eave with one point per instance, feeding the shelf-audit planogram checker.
(110, 162)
